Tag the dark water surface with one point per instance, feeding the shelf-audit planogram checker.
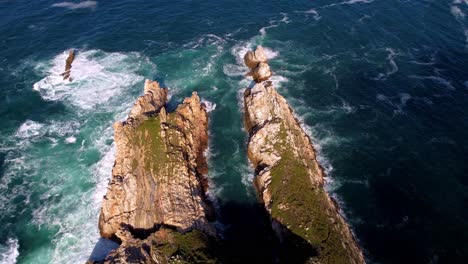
(380, 85)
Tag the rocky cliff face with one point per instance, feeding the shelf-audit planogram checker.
(155, 203)
(289, 179)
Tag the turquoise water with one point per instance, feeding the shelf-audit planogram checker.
(380, 85)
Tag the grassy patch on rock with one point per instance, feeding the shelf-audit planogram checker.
(302, 207)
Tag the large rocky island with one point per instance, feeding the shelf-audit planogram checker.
(155, 205)
(156, 208)
(289, 179)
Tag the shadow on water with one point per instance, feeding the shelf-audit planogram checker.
(250, 238)
(247, 236)
(103, 247)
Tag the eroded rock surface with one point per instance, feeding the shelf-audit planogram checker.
(157, 189)
(290, 181)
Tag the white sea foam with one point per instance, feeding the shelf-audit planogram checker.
(78, 228)
(466, 37)
(70, 140)
(9, 252)
(96, 79)
(390, 58)
(393, 66)
(239, 51)
(102, 172)
(285, 18)
(314, 13)
(319, 141)
(270, 54)
(459, 15)
(207, 70)
(73, 6)
(364, 17)
(457, 12)
(205, 40)
(350, 2)
(232, 70)
(278, 80)
(210, 106)
(346, 107)
(30, 129)
(247, 176)
(274, 23)
(398, 102)
(436, 79)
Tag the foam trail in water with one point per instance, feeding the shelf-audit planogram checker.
(274, 23)
(73, 6)
(436, 79)
(401, 100)
(350, 2)
(394, 67)
(457, 12)
(315, 14)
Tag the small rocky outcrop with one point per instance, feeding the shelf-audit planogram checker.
(257, 62)
(68, 65)
(289, 179)
(155, 204)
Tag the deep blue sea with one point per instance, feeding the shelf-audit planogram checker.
(381, 86)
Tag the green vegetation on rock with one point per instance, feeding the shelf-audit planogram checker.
(302, 207)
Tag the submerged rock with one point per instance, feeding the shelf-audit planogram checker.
(158, 183)
(290, 181)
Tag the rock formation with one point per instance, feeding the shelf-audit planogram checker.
(68, 65)
(155, 204)
(289, 179)
(257, 62)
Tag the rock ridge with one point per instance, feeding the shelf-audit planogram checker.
(290, 181)
(68, 65)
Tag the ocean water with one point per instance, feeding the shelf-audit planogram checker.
(380, 85)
